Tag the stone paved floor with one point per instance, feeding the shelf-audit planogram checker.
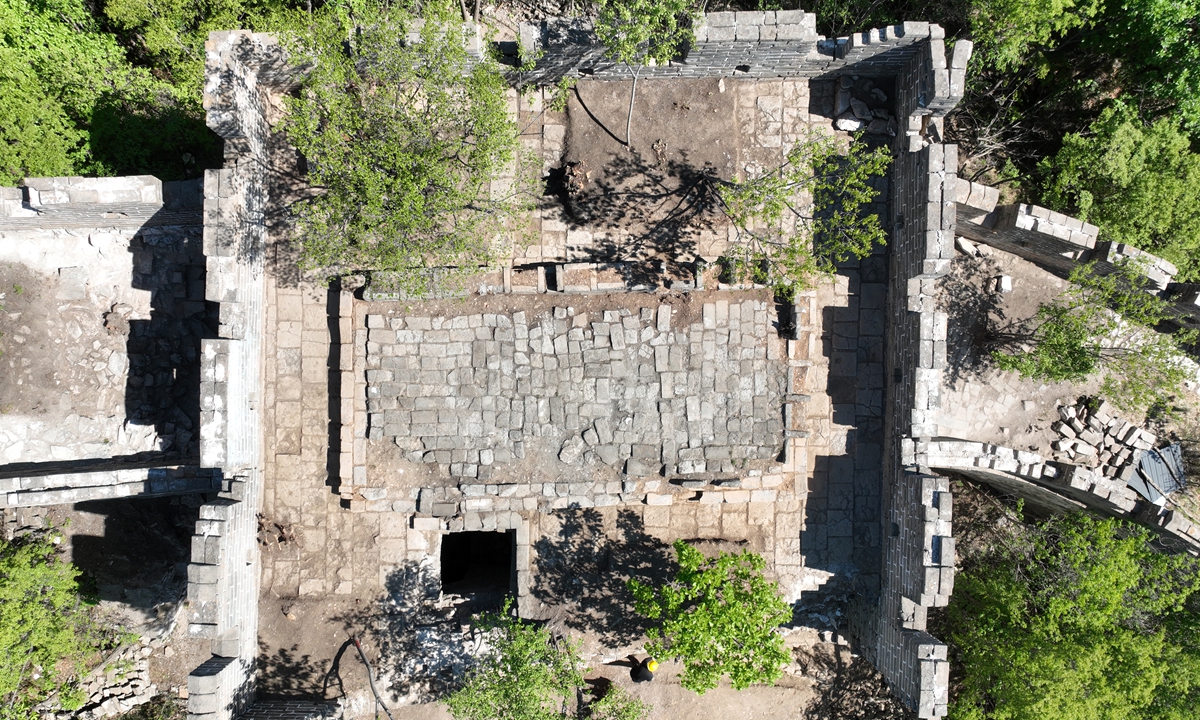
(617, 385)
(630, 390)
(340, 552)
(333, 551)
(841, 534)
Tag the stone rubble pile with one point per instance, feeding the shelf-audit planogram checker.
(860, 105)
(1100, 440)
(115, 686)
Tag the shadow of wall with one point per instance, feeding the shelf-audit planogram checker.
(163, 384)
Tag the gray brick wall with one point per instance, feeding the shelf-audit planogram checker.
(223, 577)
(918, 570)
(73, 487)
(918, 562)
(757, 44)
(130, 201)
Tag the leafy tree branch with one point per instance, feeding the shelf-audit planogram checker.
(797, 221)
(1102, 323)
(636, 33)
(720, 616)
(46, 632)
(411, 142)
(525, 674)
(1076, 619)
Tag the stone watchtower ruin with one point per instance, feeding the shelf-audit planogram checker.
(912, 536)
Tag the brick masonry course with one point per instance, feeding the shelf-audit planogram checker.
(627, 390)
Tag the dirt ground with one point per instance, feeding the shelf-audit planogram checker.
(654, 194)
(43, 340)
(825, 681)
(661, 191)
(998, 407)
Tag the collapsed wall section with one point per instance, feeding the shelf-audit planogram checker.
(1061, 243)
(241, 69)
(106, 248)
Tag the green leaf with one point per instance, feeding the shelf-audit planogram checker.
(798, 221)
(720, 616)
(524, 675)
(410, 144)
(1080, 620)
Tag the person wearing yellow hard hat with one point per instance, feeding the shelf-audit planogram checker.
(644, 672)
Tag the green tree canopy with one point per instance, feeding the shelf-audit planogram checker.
(1078, 620)
(1009, 31)
(640, 32)
(1102, 323)
(525, 674)
(45, 632)
(409, 145)
(637, 32)
(1157, 46)
(169, 35)
(797, 221)
(1139, 183)
(72, 103)
(720, 616)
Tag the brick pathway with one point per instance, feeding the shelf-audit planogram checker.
(335, 552)
(841, 535)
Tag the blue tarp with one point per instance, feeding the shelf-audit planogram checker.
(1159, 474)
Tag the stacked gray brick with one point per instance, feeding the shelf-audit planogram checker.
(73, 487)
(780, 43)
(922, 242)
(77, 202)
(1050, 485)
(918, 570)
(241, 68)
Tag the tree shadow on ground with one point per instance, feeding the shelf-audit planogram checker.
(665, 208)
(288, 674)
(974, 316)
(664, 205)
(420, 647)
(585, 565)
(847, 686)
(169, 141)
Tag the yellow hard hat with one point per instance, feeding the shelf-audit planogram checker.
(651, 665)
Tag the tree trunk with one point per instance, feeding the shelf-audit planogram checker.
(629, 118)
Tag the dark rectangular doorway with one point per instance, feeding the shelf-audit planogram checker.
(479, 566)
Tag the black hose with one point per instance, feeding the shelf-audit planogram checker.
(371, 677)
